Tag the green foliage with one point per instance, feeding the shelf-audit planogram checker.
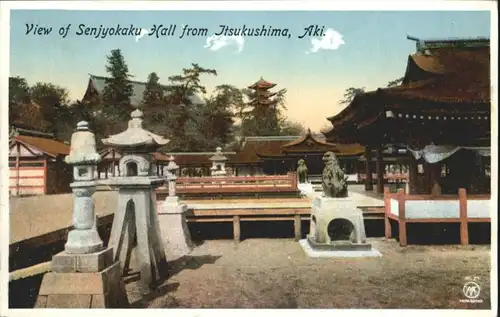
(116, 105)
(263, 119)
(288, 127)
(395, 82)
(170, 109)
(350, 93)
(18, 96)
(154, 92)
(186, 117)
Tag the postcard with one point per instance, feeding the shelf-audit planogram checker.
(198, 156)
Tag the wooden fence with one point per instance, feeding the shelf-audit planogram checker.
(461, 202)
(235, 185)
(390, 177)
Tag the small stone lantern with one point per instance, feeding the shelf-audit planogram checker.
(84, 238)
(218, 163)
(172, 218)
(171, 176)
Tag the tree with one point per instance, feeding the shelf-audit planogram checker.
(116, 105)
(288, 127)
(18, 96)
(54, 105)
(218, 120)
(264, 118)
(350, 93)
(395, 82)
(154, 92)
(185, 115)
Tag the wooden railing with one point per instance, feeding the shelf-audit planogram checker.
(390, 177)
(235, 184)
(401, 202)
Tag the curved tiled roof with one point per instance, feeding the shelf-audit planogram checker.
(138, 88)
(50, 147)
(448, 78)
(262, 84)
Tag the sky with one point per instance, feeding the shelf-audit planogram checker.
(353, 49)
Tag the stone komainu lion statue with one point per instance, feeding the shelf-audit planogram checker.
(334, 180)
(302, 171)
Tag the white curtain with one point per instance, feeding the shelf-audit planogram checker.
(436, 153)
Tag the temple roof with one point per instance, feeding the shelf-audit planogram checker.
(262, 84)
(97, 84)
(312, 143)
(447, 78)
(47, 146)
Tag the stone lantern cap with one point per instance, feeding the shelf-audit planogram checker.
(172, 166)
(218, 156)
(83, 146)
(135, 137)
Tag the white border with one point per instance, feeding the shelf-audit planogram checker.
(352, 5)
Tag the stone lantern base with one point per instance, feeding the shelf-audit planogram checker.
(83, 281)
(174, 229)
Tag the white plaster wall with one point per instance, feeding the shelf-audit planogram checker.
(352, 177)
(441, 208)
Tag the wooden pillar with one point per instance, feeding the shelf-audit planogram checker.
(464, 226)
(402, 218)
(45, 171)
(413, 174)
(298, 227)
(236, 228)
(114, 163)
(18, 168)
(435, 176)
(387, 212)
(368, 169)
(380, 171)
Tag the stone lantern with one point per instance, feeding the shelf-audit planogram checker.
(136, 217)
(172, 218)
(218, 163)
(84, 259)
(84, 238)
(172, 169)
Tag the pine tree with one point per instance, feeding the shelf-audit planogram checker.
(117, 92)
(185, 116)
(153, 94)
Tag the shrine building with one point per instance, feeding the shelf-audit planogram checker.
(440, 114)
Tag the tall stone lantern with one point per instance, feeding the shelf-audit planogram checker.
(135, 225)
(84, 159)
(84, 259)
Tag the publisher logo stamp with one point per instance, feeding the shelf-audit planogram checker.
(471, 290)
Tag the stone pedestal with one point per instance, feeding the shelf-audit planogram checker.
(326, 209)
(174, 229)
(337, 229)
(83, 281)
(136, 229)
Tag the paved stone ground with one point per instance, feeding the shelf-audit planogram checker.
(275, 273)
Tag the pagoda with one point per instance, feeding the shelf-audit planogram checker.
(263, 105)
